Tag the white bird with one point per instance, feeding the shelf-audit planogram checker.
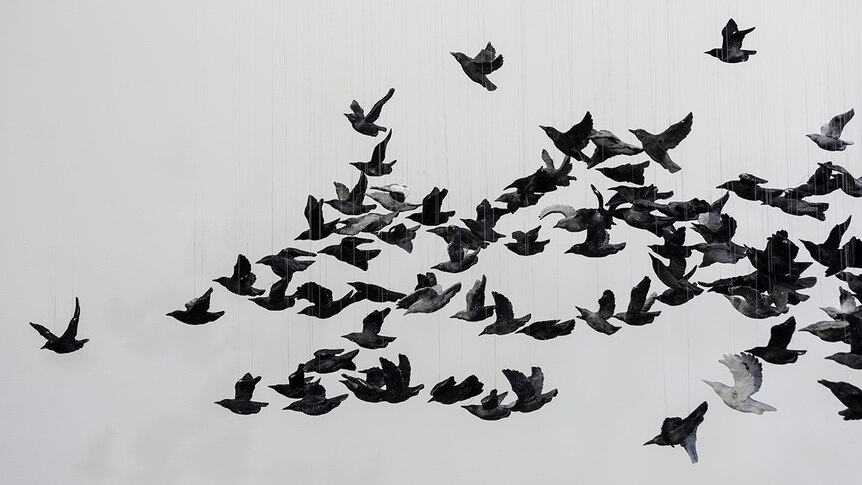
(747, 378)
(829, 138)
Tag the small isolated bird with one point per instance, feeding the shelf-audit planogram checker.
(277, 300)
(284, 264)
(242, 280)
(348, 251)
(478, 68)
(428, 299)
(852, 359)
(829, 138)
(430, 215)
(631, 173)
(399, 235)
(476, 310)
(681, 431)
(365, 123)
(67, 342)
(574, 140)
(377, 294)
(327, 361)
(849, 395)
(315, 402)
(393, 197)
(506, 322)
(369, 337)
(640, 303)
(598, 321)
(242, 403)
(377, 167)
(397, 379)
(492, 407)
(447, 392)
(548, 329)
(656, 146)
(197, 311)
(776, 351)
(349, 202)
(731, 50)
(529, 390)
(297, 384)
(747, 379)
(527, 243)
(317, 228)
(320, 297)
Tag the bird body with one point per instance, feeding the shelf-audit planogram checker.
(829, 137)
(67, 342)
(197, 311)
(747, 379)
(731, 50)
(365, 123)
(657, 146)
(242, 403)
(477, 68)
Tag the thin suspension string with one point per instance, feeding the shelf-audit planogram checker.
(237, 161)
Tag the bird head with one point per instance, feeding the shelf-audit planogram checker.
(714, 385)
(223, 402)
(175, 313)
(655, 441)
(460, 57)
(714, 53)
(268, 260)
(352, 117)
(638, 133)
(550, 131)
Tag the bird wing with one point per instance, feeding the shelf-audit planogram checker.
(379, 153)
(341, 191)
(690, 446)
(391, 375)
(606, 305)
(520, 384)
(855, 330)
(637, 300)
(44, 332)
(503, 307)
(565, 210)
(404, 367)
(72, 329)
(847, 301)
(378, 106)
(476, 295)
(425, 293)
(676, 133)
(313, 292)
(546, 157)
(582, 129)
(200, 304)
(835, 235)
(780, 335)
(455, 251)
(373, 322)
(486, 55)
(835, 126)
(313, 211)
(278, 289)
(358, 193)
(747, 374)
(324, 353)
(532, 235)
(242, 268)
(537, 379)
(244, 388)
(357, 110)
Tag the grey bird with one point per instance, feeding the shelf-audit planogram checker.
(829, 330)
(460, 237)
(609, 145)
(297, 384)
(369, 337)
(242, 280)
(277, 300)
(849, 395)
(242, 403)
(712, 224)
(377, 166)
(428, 299)
(846, 304)
(397, 379)
(548, 329)
(369, 223)
(393, 197)
(731, 50)
(640, 302)
(829, 137)
(506, 322)
(775, 351)
(315, 402)
(476, 310)
(852, 359)
(365, 123)
(477, 68)
(527, 243)
(724, 252)
(681, 431)
(747, 378)
(598, 321)
(447, 392)
(626, 194)
(375, 293)
(197, 311)
(318, 228)
(657, 146)
(854, 282)
(529, 390)
(348, 251)
(399, 235)
(285, 263)
(753, 304)
(67, 342)
(327, 361)
(574, 140)
(491, 408)
(460, 259)
(349, 201)
(630, 173)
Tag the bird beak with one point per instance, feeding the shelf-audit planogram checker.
(454, 54)
(651, 442)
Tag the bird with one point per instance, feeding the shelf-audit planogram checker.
(428, 299)
(460, 258)
(318, 228)
(852, 359)
(447, 392)
(548, 329)
(393, 197)
(377, 166)
(849, 395)
(598, 321)
(831, 254)
(559, 176)
(369, 337)
(491, 407)
(640, 302)
(656, 146)
(67, 342)
(747, 378)
(753, 304)
(639, 217)
(322, 303)
(399, 235)
(529, 390)
(681, 431)
(242, 403)
(527, 243)
(297, 385)
(506, 322)
(460, 237)
(609, 145)
(430, 215)
(829, 330)
(631, 173)
(595, 221)
(349, 202)
(680, 289)
(626, 194)
(476, 310)
(799, 207)
(486, 219)
(477, 68)
(277, 300)
(371, 389)
(242, 280)
(731, 50)
(370, 223)
(829, 137)
(749, 187)
(349, 252)
(327, 361)
(377, 294)
(722, 252)
(197, 311)
(315, 402)
(847, 304)
(575, 139)
(854, 282)
(397, 379)
(285, 263)
(365, 123)
(776, 351)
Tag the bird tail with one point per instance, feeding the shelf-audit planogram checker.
(848, 142)
(763, 406)
(489, 85)
(751, 53)
(850, 414)
(669, 164)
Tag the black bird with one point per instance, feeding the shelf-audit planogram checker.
(680, 289)
(627, 194)
(323, 306)
(430, 214)
(492, 407)
(776, 351)
(849, 395)
(399, 235)
(829, 254)
(277, 300)
(369, 337)
(348, 251)
(681, 431)
(595, 221)
(639, 217)
(315, 402)
(608, 145)
(67, 342)
(317, 227)
(284, 264)
(242, 279)
(731, 50)
(365, 123)
(377, 166)
(656, 146)
(640, 303)
(476, 310)
(529, 390)
(377, 294)
(852, 359)
(447, 392)
(527, 243)
(574, 140)
(521, 197)
(397, 379)
(197, 311)
(681, 211)
(460, 237)
(598, 321)
(371, 389)
(749, 187)
(829, 137)
(428, 299)
(548, 329)
(854, 282)
(631, 173)
(799, 207)
(327, 361)
(486, 219)
(478, 68)
(297, 384)
(349, 202)
(559, 176)
(242, 403)
(506, 322)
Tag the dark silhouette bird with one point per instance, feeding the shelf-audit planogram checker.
(476, 310)
(460, 258)
(854, 282)
(574, 140)
(596, 222)
(369, 337)
(559, 176)
(609, 145)
(371, 389)
(831, 254)
(681, 431)
(630, 173)
(714, 225)
(749, 187)
(747, 378)
(640, 302)
(427, 280)
(852, 359)
(486, 219)
(297, 384)
(827, 178)
(428, 299)
(197, 311)
(242, 403)
(377, 166)
(491, 408)
(348, 251)
(478, 67)
(323, 305)
(349, 202)
(680, 289)
(447, 392)
(393, 197)
(849, 395)
(529, 390)
(315, 402)
(284, 264)
(506, 322)
(327, 361)
(598, 321)
(656, 146)
(399, 235)
(397, 379)
(317, 228)
(277, 300)
(67, 342)
(681, 211)
(731, 50)
(527, 243)
(548, 329)
(829, 138)
(799, 207)
(776, 351)
(460, 237)
(430, 215)
(626, 194)
(752, 303)
(377, 294)
(520, 198)
(369, 223)
(724, 252)
(365, 123)
(639, 217)
(242, 280)
(829, 330)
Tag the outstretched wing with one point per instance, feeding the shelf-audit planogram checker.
(341, 191)
(313, 292)
(244, 388)
(44, 332)
(747, 374)
(357, 110)
(373, 322)
(606, 304)
(201, 304)
(520, 384)
(676, 133)
(637, 301)
(358, 193)
(379, 153)
(780, 335)
(835, 126)
(378, 106)
(72, 329)
(503, 307)
(476, 295)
